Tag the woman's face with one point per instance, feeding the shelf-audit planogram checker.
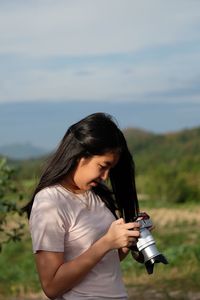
(90, 171)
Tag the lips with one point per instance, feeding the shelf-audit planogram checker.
(94, 182)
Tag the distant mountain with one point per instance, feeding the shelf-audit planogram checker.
(167, 165)
(149, 149)
(180, 149)
(22, 151)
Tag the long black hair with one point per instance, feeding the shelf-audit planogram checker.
(95, 135)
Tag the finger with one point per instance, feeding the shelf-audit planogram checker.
(120, 221)
(132, 225)
(133, 233)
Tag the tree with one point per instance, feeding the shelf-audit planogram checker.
(11, 225)
(167, 184)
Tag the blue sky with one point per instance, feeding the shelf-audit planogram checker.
(139, 60)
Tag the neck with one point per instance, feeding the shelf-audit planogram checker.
(69, 184)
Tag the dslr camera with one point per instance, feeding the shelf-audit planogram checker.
(145, 250)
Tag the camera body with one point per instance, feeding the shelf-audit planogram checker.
(146, 245)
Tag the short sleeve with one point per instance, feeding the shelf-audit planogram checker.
(46, 225)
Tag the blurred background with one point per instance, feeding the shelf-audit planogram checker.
(136, 60)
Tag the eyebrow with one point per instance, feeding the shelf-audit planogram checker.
(108, 163)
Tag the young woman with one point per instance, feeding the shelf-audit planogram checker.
(80, 227)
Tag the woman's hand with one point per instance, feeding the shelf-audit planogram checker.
(122, 235)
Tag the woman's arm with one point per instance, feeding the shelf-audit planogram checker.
(57, 276)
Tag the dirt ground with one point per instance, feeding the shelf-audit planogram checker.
(136, 293)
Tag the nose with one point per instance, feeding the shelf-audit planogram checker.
(104, 175)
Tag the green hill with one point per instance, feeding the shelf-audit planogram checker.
(167, 165)
(174, 148)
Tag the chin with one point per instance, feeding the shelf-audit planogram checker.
(87, 188)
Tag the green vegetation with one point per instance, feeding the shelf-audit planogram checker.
(167, 166)
(168, 183)
(177, 239)
(18, 274)
(10, 226)
(180, 243)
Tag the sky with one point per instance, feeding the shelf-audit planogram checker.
(61, 59)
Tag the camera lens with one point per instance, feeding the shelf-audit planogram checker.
(147, 246)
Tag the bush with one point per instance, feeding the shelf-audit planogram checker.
(11, 228)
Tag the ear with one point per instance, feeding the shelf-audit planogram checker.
(82, 161)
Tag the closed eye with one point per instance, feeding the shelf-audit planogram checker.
(103, 167)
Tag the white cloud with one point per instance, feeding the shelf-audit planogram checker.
(119, 81)
(94, 26)
(37, 34)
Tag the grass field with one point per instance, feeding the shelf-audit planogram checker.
(177, 236)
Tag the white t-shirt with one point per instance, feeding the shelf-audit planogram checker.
(65, 222)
